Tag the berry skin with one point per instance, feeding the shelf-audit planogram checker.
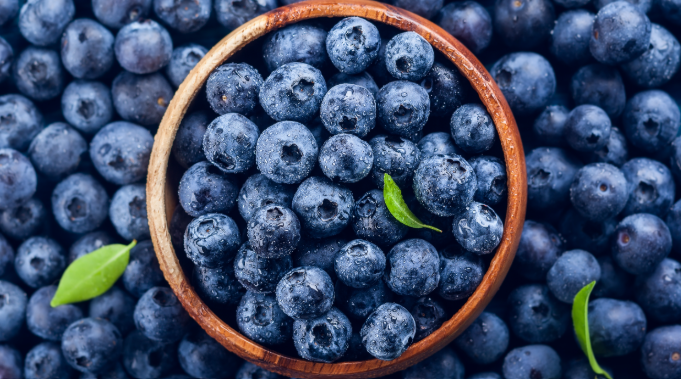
(259, 191)
(446, 90)
(182, 61)
(673, 221)
(403, 108)
(145, 358)
(473, 129)
(359, 303)
(658, 293)
(259, 274)
(587, 128)
(218, 286)
(460, 273)
(91, 345)
(486, 375)
(444, 364)
(143, 47)
(378, 69)
(540, 361)
(599, 191)
(301, 42)
(408, 56)
(477, 228)
(360, 264)
(651, 120)
(234, 88)
(6, 256)
(388, 331)
(323, 208)
(305, 293)
(599, 85)
(273, 231)
(349, 108)
(206, 189)
(184, 16)
(614, 281)
(120, 152)
(250, 371)
(10, 362)
(490, 173)
(260, 319)
(616, 327)
(39, 261)
(413, 268)
(293, 92)
(13, 310)
(444, 183)
(469, 22)
(437, 143)
(115, 306)
(570, 273)
(232, 14)
(7, 57)
(322, 339)
(38, 73)
(539, 248)
(372, 221)
(286, 152)
(42, 22)
(128, 212)
(570, 37)
(318, 253)
(19, 179)
(141, 99)
(621, 32)
(212, 240)
(57, 151)
(641, 242)
(581, 369)
(203, 357)
(659, 63)
(523, 25)
(615, 152)
(650, 185)
(659, 353)
(527, 80)
(550, 172)
(363, 79)
(580, 233)
(346, 158)
(8, 10)
(46, 322)
(118, 13)
(229, 143)
(143, 271)
(88, 243)
(535, 315)
(160, 317)
(426, 9)
(486, 340)
(23, 119)
(353, 44)
(46, 360)
(396, 156)
(87, 49)
(188, 145)
(22, 222)
(87, 105)
(79, 203)
(428, 315)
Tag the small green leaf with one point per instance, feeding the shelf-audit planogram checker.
(580, 320)
(92, 274)
(398, 208)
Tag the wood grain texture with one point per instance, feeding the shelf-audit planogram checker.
(161, 195)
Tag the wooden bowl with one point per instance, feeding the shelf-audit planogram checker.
(161, 195)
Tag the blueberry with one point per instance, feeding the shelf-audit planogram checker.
(57, 151)
(581, 369)
(7, 57)
(301, 42)
(477, 228)
(21, 120)
(651, 120)
(26, 220)
(388, 331)
(587, 128)
(403, 108)
(363, 79)
(260, 319)
(305, 293)
(460, 273)
(486, 375)
(19, 180)
(599, 191)
(120, 152)
(615, 152)
(616, 327)
(349, 108)
(396, 156)
(473, 129)
(8, 10)
(670, 10)
(660, 351)
(539, 248)
(250, 371)
(353, 44)
(38, 73)
(259, 274)
(658, 64)
(232, 14)
(549, 126)
(234, 88)
(230, 143)
(183, 16)
(437, 239)
(87, 49)
(426, 9)
(46, 322)
(469, 22)
(92, 345)
(641, 242)
(360, 264)
(621, 32)
(182, 60)
(372, 221)
(286, 152)
(203, 357)
(650, 185)
(356, 350)
(128, 212)
(570, 36)
(115, 372)
(10, 362)
(359, 303)
(490, 173)
(428, 315)
(160, 317)
(444, 364)
(218, 286)
(614, 281)
(141, 99)
(409, 56)
(293, 92)
(643, 5)
(550, 172)
(145, 358)
(324, 208)
(535, 315)
(273, 231)
(87, 105)
(88, 243)
(42, 22)
(188, 144)
(115, 306)
(485, 340)
(324, 338)
(143, 47)
(346, 158)
(525, 24)
(258, 191)
(177, 226)
(658, 293)
(378, 69)
(437, 143)
(599, 85)
(12, 310)
(6, 256)
(79, 203)
(143, 271)
(413, 268)
(444, 183)
(46, 360)
(538, 361)
(212, 240)
(318, 253)
(527, 80)
(39, 261)
(570, 273)
(117, 13)
(206, 189)
(580, 233)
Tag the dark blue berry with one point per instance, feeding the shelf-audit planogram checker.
(643, 5)
(444, 364)
(490, 173)
(79, 203)
(11, 362)
(408, 56)
(444, 183)
(324, 338)
(19, 180)
(234, 88)
(535, 315)
(616, 327)
(26, 220)
(115, 306)
(640, 243)
(229, 143)
(46, 360)
(38, 73)
(42, 22)
(614, 281)
(659, 352)
(486, 375)
(183, 16)
(39, 261)
(477, 228)
(659, 293)
(115, 372)
(372, 221)
(182, 60)
(87, 49)
(259, 191)
(143, 47)
(403, 108)
(599, 191)
(46, 322)
(570, 273)
(293, 92)
(621, 32)
(8, 10)
(360, 264)
(650, 185)
(143, 271)
(527, 80)
(324, 208)
(539, 248)
(363, 79)
(359, 303)
(141, 99)
(218, 286)
(525, 24)
(232, 14)
(87, 105)
(346, 158)
(570, 36)
(206, 189)
(413, 268)
(651, 120)
(396, 156)
(145, 358)
(250, 371)
(550, 172)
(388, 331)
(581, 369)
(305, 293)
(188, 144)
(120, 152)
(437, 143)
(203, 357)
(273, 231)
(587, 128)
(128, 212)
(349, 108)
(445, 89)
(659, 63)
(301, 42)
(286, 152)
(260, 319)
(23, 121)
(212, 240)
(6, 256)
(469, 22)
(117, 13)
(259, 274)
(160, 317)
(57, 151)
(12, 310)
(426, 9)
(92, 345)
(581, 233)
(615, 152)
(353, 44)
(538, 361)
(89, 243)
(472, 129)
(7, 57)
(378, 69)
(460, 273)
(599, 85)
(428, 315)
(485, 340)
(318, 253)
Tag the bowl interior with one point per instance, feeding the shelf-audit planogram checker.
(164, 176)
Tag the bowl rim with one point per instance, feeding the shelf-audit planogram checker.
(160, 196)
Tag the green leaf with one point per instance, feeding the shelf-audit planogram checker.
(580, 320)
(398, 208)
(92, 274)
